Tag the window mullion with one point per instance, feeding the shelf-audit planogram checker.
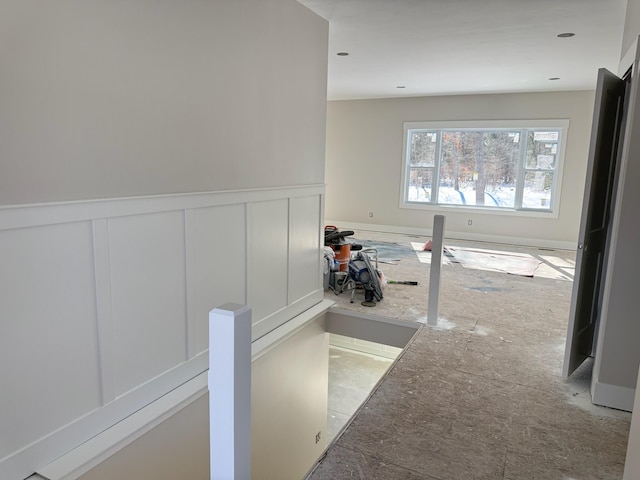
(436, 168)
(407, 162)
(521, 169)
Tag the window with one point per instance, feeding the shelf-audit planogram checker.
(504, 166)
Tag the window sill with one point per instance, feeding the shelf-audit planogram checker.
(453, 209)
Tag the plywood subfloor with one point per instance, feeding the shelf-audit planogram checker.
(481, 396)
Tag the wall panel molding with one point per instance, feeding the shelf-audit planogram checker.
(20, 216)
(103, 308)
(150, 269)
(191, 279)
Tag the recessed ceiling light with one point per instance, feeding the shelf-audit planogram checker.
(554, 78)
(566, 35)
(342, 54)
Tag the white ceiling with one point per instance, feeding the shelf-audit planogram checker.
(441, 47)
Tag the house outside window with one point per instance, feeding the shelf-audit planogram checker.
(502, 166)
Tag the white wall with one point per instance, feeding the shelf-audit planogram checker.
(631, 25)
(289, 406)
(177, 448)
(109, 99)
(104, 301)
(364, 162)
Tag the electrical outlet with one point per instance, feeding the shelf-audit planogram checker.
(469, 222)
(318, 436)
(370, 214)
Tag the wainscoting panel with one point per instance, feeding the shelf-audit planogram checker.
(105, 303)
(220, 262)
(267, 252)
(304, 247)
(47, 297)
(147, 256)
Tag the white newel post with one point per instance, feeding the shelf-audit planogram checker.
(230, 392)
(437, 244)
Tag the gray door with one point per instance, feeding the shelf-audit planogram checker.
(606, 138)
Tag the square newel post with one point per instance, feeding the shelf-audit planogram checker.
(230, 392)
(436, 266)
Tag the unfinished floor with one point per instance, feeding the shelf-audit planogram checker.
(481, 396)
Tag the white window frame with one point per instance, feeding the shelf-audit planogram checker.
(562, 125)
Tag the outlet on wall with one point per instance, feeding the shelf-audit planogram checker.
(469, 222)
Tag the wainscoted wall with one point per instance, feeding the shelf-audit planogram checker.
(105, 303)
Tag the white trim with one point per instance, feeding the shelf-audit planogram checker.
(479, 210)
(271, 340)
(321, 242)
(191, 265)
(487, 124)
(290, 266)
(247, 229)
(102, 274)
(613, 396)
(21, 216)
(627, 59)
(450, 235)
(266, 325)
(363, 346)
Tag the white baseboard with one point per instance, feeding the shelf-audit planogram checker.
(613, 396)
(449, 235)
(363, 346)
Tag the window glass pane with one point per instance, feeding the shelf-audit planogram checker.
(423, 148)
(479, 167)
(542, 148)
(420, 182)
(537, 190)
